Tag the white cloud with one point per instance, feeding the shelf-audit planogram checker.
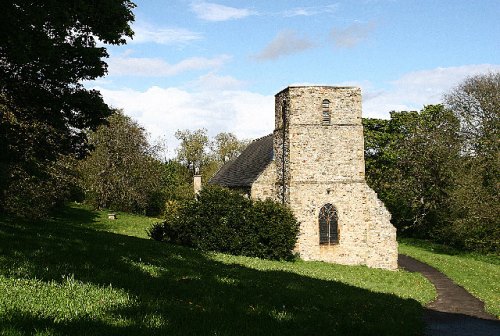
(215, 12)
(212, 81)
(145, 33)
(310, 10)
(162, 111)
(154, 67)
(249, 115)
(352, 35)
(415, 89)
(285, 43)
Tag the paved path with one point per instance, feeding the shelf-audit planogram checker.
(455, 311)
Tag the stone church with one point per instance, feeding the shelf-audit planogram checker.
(314, 163)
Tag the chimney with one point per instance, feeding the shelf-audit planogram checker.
(197, 184)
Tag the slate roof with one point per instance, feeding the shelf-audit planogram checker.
(246, 168)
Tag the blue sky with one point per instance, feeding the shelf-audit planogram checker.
(217, 65)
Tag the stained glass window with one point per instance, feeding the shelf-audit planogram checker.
(328, 225)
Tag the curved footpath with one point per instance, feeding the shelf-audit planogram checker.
(455, 311)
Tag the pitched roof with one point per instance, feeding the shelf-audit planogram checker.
(246, 168)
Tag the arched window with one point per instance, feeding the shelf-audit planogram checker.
(326, 112)
(328, 225)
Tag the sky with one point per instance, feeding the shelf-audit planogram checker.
(217, 65)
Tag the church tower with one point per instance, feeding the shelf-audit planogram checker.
(320, 174)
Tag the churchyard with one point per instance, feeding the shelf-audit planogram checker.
(81, 273)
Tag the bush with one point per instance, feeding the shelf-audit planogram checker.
(156, 231)
(225, 221)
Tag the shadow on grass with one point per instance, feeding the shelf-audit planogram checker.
(177, 291)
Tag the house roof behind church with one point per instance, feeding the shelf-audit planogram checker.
(246, 168)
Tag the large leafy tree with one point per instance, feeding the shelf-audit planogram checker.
(437, 170)
(177, 181)
(428, 154)
(226, 146)
(476, 102)
(47, 48)
(121, 172)
(196, 150)
(193, 147)
(410, 162)
(476, 198)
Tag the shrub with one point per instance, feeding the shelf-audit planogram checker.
(277, 229)
(156, 231)
(225, 221)
(171, 210)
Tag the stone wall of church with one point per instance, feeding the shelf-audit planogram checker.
(381, 236)
(366, 235)
(326, 153)
(265, 186)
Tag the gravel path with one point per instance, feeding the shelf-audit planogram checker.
(455, 311)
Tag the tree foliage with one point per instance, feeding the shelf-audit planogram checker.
(193, 147)
(197, 150)
(121, 172)
(226, 147)
(476, 196)
(410, 162)
(437, 170)
(476, 103)
(47, 48)
(37, 194)
(177, 181)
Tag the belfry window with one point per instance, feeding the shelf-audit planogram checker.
(328, 225)
(326, 118)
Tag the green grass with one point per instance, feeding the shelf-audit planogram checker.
(125, 223)
(82, 274)
(479, 274)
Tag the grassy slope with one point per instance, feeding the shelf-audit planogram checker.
(75, 275)
(479, 274)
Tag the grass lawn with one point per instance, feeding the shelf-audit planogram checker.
(479, 274)
(82, 274)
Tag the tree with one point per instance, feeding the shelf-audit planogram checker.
(36, 196)
(427, 159)
(411, 160)
(226, 146)
(380, 154)
(476, 103)
(196, 150)
(438, 170)
(121, 172)
(177, 181)
(381, 157)
(193, 149)
(47, 49)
